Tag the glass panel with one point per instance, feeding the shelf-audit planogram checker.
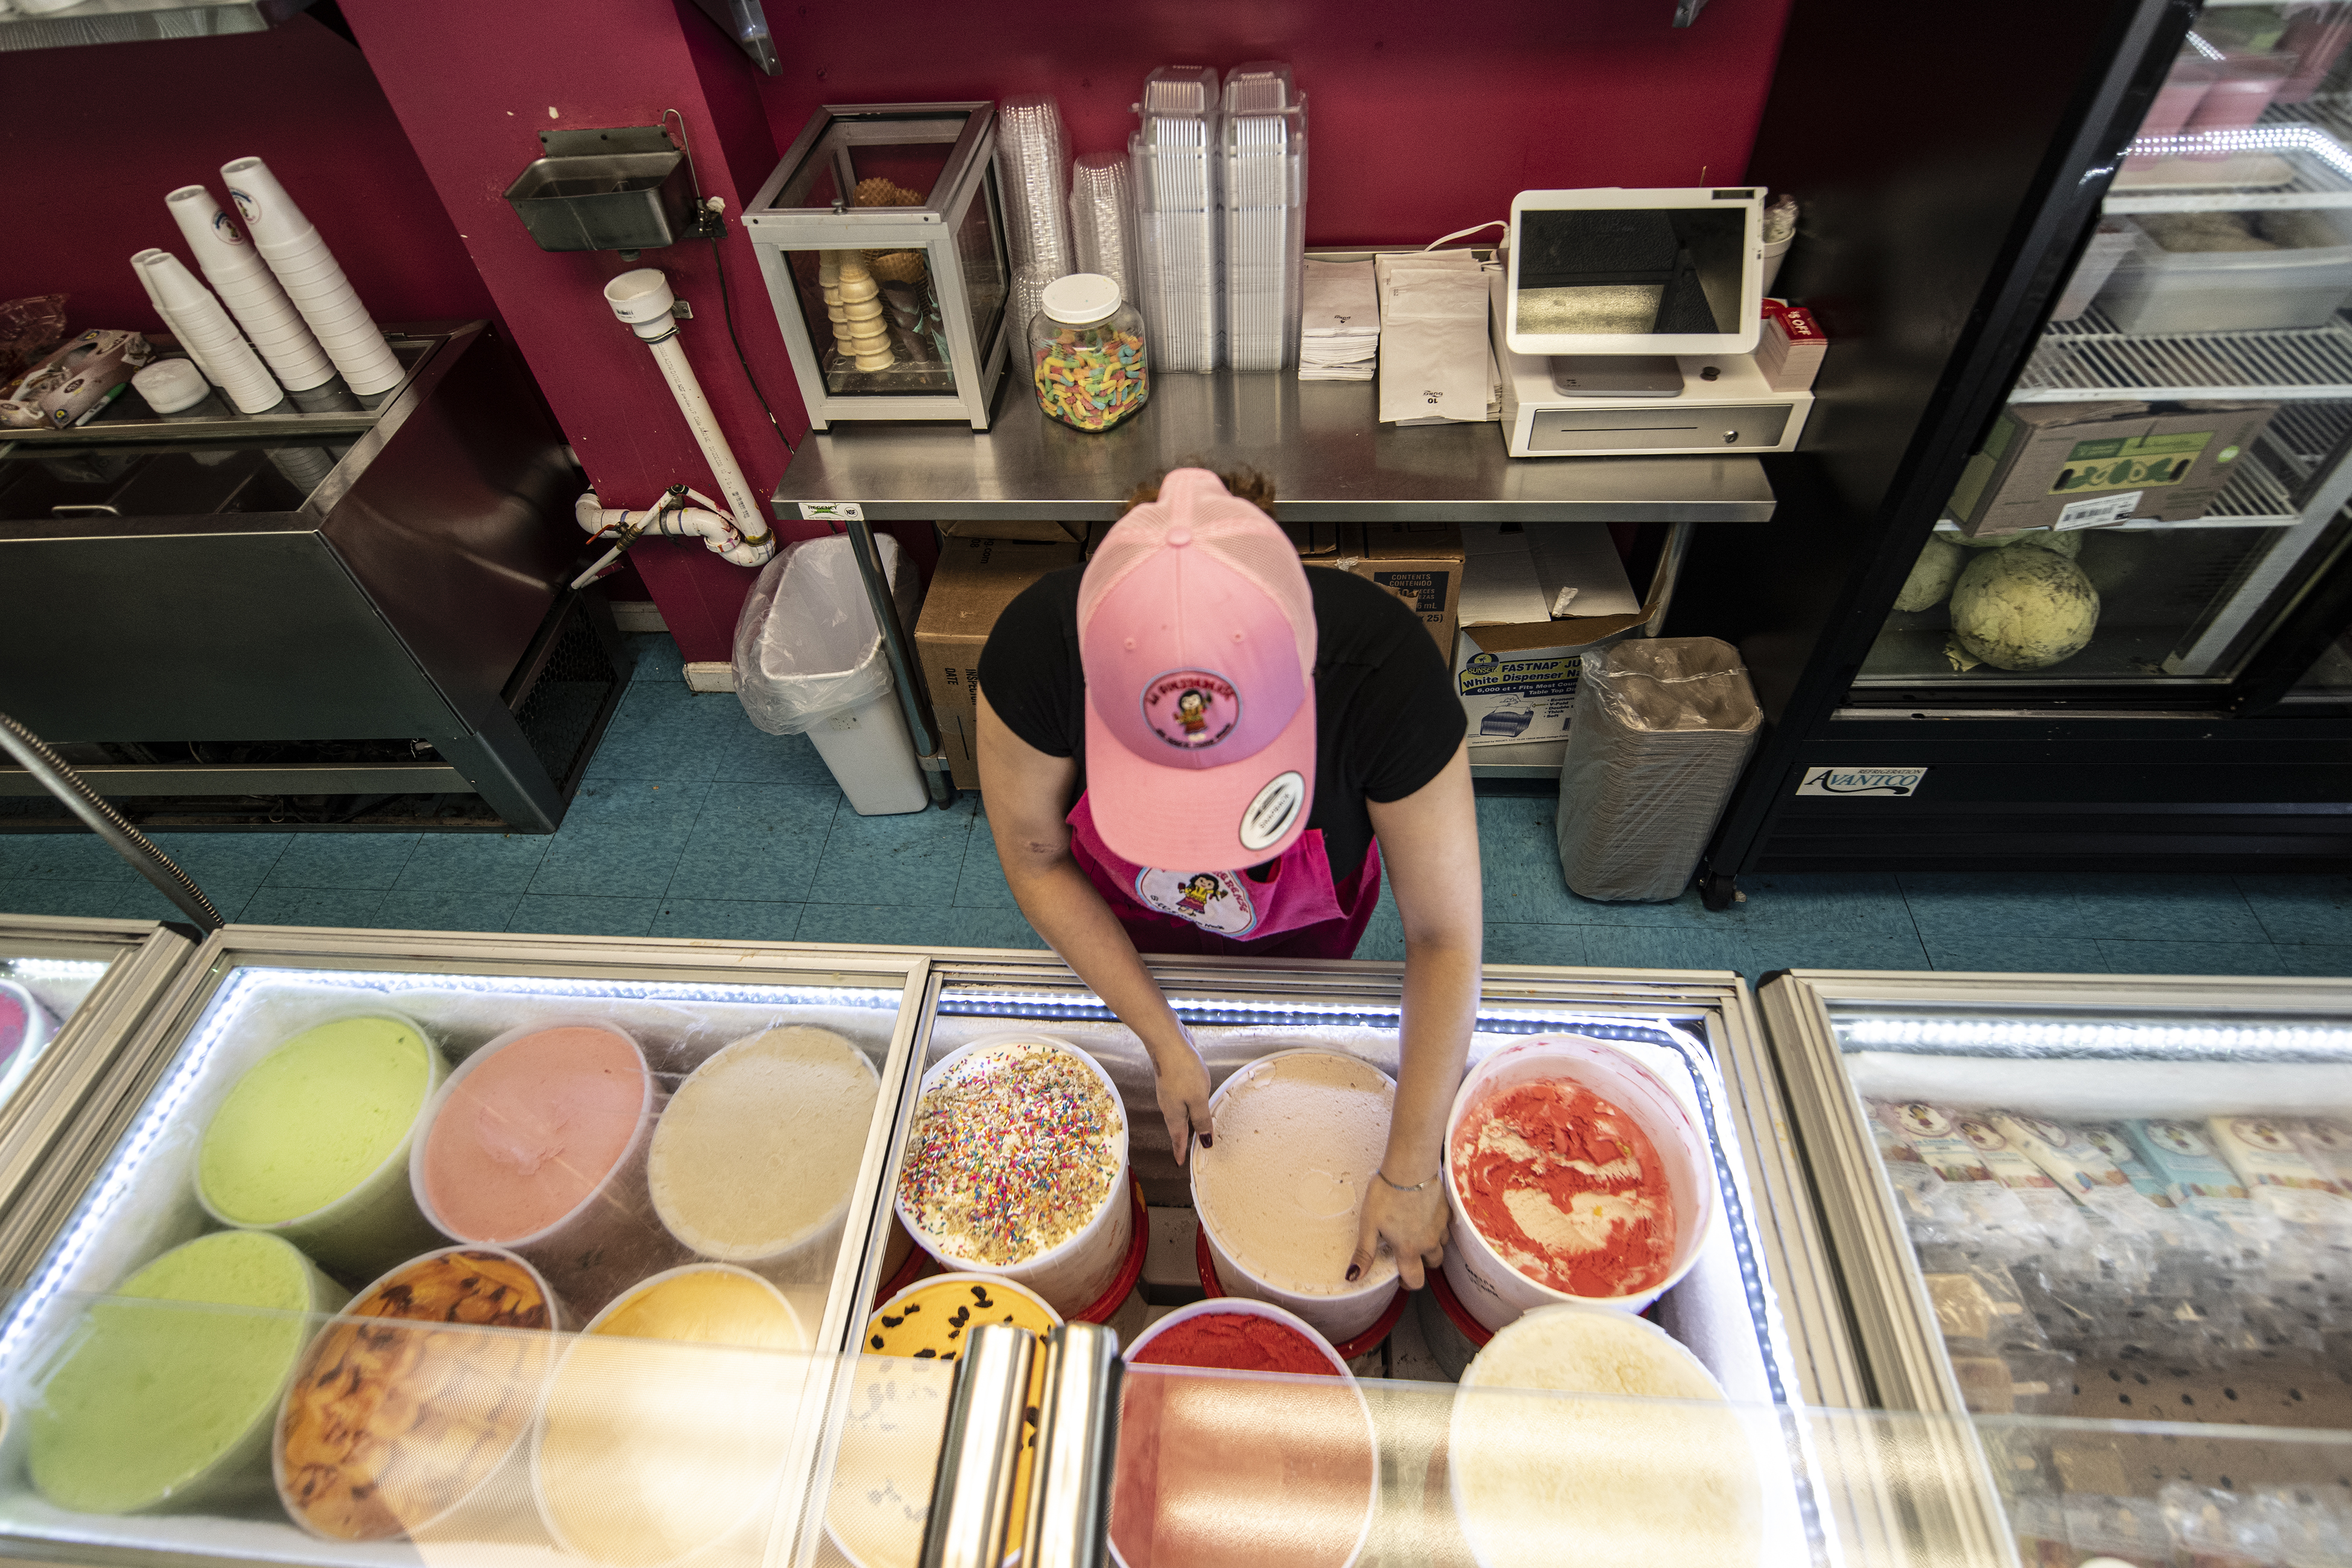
(2122, 1216)
(873, 160)
(980, 251)
(2178, 442)
(875, 318)
(2329, 679)
(39, 992)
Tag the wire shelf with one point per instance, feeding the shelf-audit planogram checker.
(2309, 434)
(2088, 360)
(2255, 497)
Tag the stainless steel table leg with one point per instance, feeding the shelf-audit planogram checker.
(912, 700)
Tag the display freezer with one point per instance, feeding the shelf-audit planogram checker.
(70, 993)
(2124, 1205)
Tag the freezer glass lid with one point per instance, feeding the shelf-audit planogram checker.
(2132, 1215)
(39, 992)
(677, 1159)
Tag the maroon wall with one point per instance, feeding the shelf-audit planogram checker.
(1422, 118)
(94, 139)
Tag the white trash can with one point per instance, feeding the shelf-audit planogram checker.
(808, 660)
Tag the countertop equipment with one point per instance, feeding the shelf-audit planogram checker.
(354, 609)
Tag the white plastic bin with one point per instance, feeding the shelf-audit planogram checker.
(2159, 290)
(808, 660)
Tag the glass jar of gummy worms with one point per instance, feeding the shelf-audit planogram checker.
(1088, 358)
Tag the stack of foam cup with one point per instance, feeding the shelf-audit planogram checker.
(171, 323)
(211, 339)
(250, 290)
(308, 271)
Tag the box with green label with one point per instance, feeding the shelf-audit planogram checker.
(2091, 465)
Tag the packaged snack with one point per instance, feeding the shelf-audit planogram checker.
(2277, 1174)
(2064, 1156)
(2110, 1141)
(2177, 1152)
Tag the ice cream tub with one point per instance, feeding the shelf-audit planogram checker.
(26, 1025)
(313, 1143)
(1243, 1440)
(1016, 1165)
(1281, 1191)
(666, 1424)
(1526, 1138)
(538, 1143)
(411, 1410)
(755, 1158)
(165, 1390)
(1650, 1465)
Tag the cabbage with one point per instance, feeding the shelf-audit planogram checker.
(2023, 610)
(1939, 561)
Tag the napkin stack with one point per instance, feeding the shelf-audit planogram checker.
(1339, 327)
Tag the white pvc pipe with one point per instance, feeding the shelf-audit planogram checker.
(643, 299)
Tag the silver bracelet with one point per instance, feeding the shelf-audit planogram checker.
(1400, 1186)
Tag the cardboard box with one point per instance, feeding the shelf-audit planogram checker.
(1040, 531)
(1517, 679)
(974, 581)
(2084, 464)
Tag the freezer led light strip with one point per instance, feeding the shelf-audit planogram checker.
(66, 969)
(227, 1008)
(2297, 1042)
(2305, 139)
(1200, 1010)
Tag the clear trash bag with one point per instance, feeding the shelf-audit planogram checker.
(807, 647)
(1661, 729)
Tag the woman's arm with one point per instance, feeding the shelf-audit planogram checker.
(1029, 794)
(1429, 848)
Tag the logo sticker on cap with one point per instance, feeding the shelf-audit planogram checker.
(1268, 817)
(1191, 709)
(1216, 902)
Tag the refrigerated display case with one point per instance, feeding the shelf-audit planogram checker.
(2075, 526)
(70, 993)
(789, 1442)
(2115, 1204)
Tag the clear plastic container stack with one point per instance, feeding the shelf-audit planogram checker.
(1264, 148)
(1033, 151)
(1173, 159)
(1102, 220)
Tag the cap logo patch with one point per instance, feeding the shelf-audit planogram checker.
(1266, 818)
(1191, 709)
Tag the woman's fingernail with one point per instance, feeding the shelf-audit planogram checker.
(1352, 1271)
(1207, 1140)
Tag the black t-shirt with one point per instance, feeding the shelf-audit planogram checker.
(1386, 719)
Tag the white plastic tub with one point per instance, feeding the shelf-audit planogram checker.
(1072, 1276)
(2158, 290)
(873, 758)
(1493, 1291)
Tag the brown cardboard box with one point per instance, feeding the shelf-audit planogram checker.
(1420, 562)
(1032, 530)
(975, 579)
(1517, 678)
(2083, 465)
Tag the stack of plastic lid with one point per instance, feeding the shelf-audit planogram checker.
(1174, 164)
(1264, 157)
(1033, 148)
(1102, 220)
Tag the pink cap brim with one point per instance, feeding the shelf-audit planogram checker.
(1189, 819)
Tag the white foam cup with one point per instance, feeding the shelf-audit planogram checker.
(1072, 1276)
(205, 329)
(1489, 1289)
(219, 246)
(1339, 1317)
(315, 268)
(270, 214)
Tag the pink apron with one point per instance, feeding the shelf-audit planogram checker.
(1295, 912)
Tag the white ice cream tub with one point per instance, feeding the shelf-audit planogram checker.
(1340, 1316)
(1491, 1289)
(1073, 1275)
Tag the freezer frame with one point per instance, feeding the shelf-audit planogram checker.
(1893, 1322)
(142, 959)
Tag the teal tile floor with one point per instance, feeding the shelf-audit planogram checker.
(692, 824)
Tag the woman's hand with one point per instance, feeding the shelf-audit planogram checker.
(1413, 1224)
(1183, 1081)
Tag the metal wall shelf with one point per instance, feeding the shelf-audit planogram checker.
(1321, 443)
(135, 21)
(2087, 360)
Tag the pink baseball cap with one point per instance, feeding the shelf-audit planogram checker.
(1196, 631)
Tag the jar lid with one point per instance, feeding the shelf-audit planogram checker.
(1082, 299)
(172, 384)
